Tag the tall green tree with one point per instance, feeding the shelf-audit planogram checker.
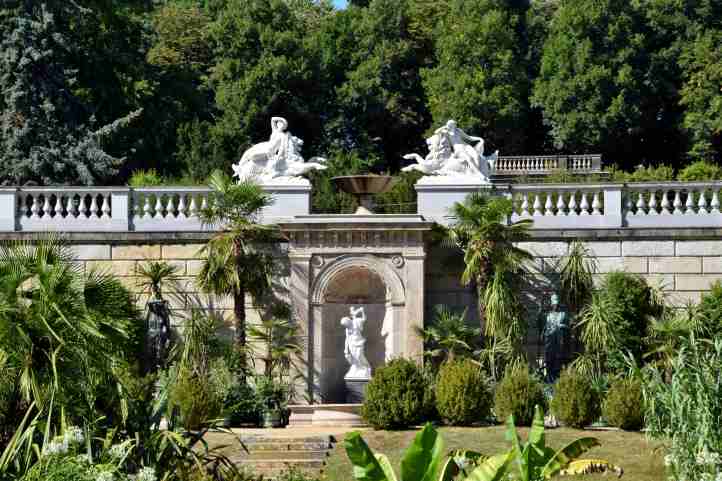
(48, 132)
(480, 78)
(606, 85)
(237, 259)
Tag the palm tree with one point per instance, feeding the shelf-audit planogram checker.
(480, 227)
(62, 330)
(449, 336)
(236, 263)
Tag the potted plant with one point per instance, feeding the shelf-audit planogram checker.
(273, 399)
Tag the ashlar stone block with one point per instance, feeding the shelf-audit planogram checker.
(545, 249)
(86, 252)
(687, 282)
(712, 265)
(675, 265)
(138, 252)
(605, 248)
(699, 248)
(647, 248)
(182, 251)
(118, 268)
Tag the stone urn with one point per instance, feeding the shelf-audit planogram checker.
(364, 187)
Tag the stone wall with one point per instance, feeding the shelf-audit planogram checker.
(683, 268)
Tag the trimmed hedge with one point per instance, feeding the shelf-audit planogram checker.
(624, 405)
(517, 393)
(575, 402)
(395, 396)
(462, 393)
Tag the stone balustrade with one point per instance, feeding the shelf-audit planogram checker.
(546, 164)
(550, 206)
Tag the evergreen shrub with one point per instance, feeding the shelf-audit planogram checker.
(395, 396)
(462, 393)
(624, 406)
(575, 401)
(517, 393)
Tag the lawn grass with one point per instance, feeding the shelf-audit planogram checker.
(631, 451)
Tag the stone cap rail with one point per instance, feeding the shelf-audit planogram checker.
(550, 206)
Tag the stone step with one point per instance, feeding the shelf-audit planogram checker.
(283, 439)
(288, 445)
(267, 465)
(284, 455)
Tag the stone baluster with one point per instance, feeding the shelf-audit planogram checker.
(573, 203)
(596, 204)
(537, 205)
(158, 210)
(35, 209)
(193, 207)
(585, 204)
(182, 205)
(105, 208)
(93, 206)
(641, 204)
(715, 201)
(702, 203)
(689, 204)
(47, 210)
(677, 203)
(147, 208)
(665, 205)
(561, 205)
(525, 205)
(653, 203)
(548, 206)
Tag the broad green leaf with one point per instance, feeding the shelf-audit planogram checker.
(386, 466)
(493, 469)
(421, 460)
(365, 465)
(567, 454)
(449, 470)
(536, 435)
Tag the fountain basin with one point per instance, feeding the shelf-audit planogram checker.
(364, 187)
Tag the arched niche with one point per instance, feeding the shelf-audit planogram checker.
(367, 281)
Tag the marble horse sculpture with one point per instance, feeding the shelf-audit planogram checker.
(278, 158)
(454, 153)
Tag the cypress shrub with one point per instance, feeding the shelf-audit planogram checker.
(462, 395)
(395, 396)
(624, 405)
(575, 402)
(517, 393)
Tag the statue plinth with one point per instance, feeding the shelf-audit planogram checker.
(355, 390)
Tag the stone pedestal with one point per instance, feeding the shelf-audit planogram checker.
(291, 197)
(356, 390)
(436, 195)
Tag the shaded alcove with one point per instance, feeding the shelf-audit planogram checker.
(353, 286)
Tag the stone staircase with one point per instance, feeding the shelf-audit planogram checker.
(271, 455)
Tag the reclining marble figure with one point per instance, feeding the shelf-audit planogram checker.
(277, 160)
(450, 155)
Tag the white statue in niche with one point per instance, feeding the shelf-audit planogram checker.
(355, 345)
(278, 158)
(451, 156)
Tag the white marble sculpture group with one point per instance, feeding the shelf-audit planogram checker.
(454, 157)
(355, 345)
(277, 160)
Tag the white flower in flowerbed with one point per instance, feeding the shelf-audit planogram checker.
(146, 474)
(73, 434)
(709, 458)
(105, 476)
(55, 447)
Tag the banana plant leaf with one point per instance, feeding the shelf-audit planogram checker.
(567, 454)
(422, 459)
(366, 466)
(494, 468)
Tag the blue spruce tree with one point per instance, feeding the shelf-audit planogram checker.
(48, 135)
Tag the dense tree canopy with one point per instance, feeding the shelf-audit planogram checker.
(91, 90)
